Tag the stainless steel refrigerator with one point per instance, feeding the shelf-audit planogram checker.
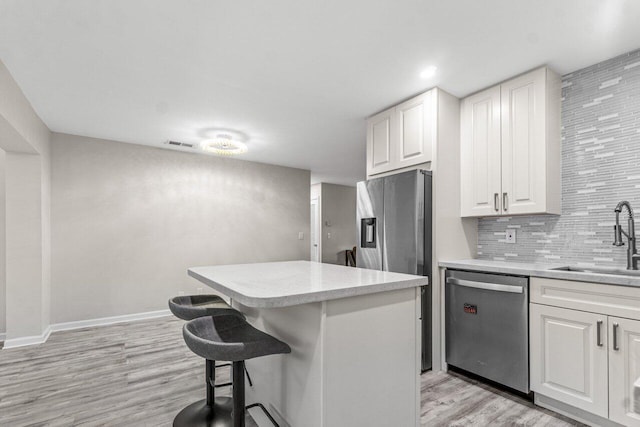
(394, 231)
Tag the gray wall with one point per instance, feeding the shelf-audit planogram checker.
(128, 220)
(600, 166)
(339, 209)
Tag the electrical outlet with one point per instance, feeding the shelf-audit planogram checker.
(301, 236)
(328, 235)
(180, 293)
(200, 290)
(510, 235)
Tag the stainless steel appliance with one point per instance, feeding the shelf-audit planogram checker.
(394, 229)
(487, 327)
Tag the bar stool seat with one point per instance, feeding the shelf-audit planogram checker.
(230, 338)
(189, 307)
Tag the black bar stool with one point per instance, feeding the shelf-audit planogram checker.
(230, 338)
(189, 307)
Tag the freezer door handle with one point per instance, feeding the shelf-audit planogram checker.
(486, 286)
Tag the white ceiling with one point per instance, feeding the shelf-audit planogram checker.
(297, 77)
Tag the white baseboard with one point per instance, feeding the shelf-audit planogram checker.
(104, 321)
(79, 324)
(30, 340)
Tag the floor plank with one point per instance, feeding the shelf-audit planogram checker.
(451, 399)
(142, 374)
(129, 374)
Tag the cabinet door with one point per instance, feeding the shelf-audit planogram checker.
(380, 130)
(567, 362)
(415, 119)
(480, 154)
(624, 371)
(523, 143)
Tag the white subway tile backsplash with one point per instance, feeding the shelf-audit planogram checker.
(600, 166)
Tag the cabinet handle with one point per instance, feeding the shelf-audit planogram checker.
(615, 337)
(505, 201)
(599, 333)
(496, 202)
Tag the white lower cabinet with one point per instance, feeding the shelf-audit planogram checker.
(567, 361)
(624, 371)
(582, 353)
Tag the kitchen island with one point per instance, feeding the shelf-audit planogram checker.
(354, 335)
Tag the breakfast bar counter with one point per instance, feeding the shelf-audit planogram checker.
(354, 335)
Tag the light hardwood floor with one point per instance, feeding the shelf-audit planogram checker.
(142, 374)
(450, 399)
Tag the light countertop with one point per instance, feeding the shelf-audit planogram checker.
(539, 270)
(283, 284)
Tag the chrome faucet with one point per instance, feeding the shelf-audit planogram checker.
(630, 234)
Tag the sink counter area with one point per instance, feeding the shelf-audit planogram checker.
(549, 271)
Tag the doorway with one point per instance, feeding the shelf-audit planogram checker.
(315, 231)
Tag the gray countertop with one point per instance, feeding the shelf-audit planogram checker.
(539, 270)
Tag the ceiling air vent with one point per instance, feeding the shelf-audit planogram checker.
(180, 144)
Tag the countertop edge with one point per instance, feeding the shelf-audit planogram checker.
(539, 270)
(306, 298)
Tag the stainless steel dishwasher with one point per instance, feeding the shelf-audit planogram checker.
(487, 327)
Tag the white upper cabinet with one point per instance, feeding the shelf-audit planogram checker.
(379, 133)
(415, 123)
(401, 136)
(510, 147)
(481, 153)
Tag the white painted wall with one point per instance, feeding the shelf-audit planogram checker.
(26, 139)
(25, 297)
(3, 327)
(129, 220)
(339, 210)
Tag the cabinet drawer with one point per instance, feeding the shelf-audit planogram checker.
(621, 301)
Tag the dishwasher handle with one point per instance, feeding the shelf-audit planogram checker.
(486, 286)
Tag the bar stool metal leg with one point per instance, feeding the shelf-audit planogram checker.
(210, 379)
(238, 394)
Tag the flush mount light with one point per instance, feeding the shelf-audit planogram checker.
(429, 72)
(224, 145)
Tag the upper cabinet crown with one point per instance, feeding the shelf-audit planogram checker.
(510, 147)
(402, 135)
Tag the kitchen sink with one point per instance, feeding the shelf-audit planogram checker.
(596, 270)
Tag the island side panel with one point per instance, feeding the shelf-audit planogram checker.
(371, 360)
(289, 385)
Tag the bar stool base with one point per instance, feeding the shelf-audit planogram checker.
(198, 414)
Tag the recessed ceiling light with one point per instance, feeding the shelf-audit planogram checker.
(429, 72)
(224, 145)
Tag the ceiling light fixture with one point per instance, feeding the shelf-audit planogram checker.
(429, 72)
(224, 145)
